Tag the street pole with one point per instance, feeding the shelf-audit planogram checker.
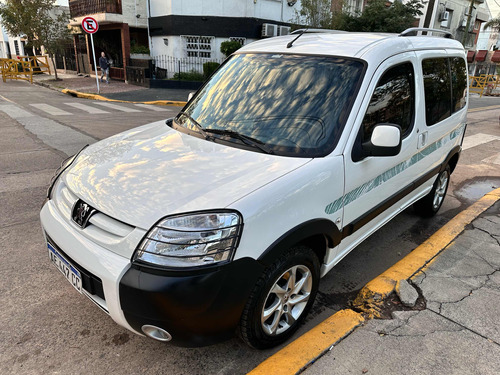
(95, 63)
(469, 16)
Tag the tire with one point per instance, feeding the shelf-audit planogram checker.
(274, 296)
(429, 205)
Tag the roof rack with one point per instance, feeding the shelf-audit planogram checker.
(412, 31)
(326, 31)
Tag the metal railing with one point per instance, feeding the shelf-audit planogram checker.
(16, 69)
(39, 64)
(169, 67)
(483, 84)
(78, 8)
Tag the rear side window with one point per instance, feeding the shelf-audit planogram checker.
(445, 86)
(393, 101)
(458, 83)
(437, 86)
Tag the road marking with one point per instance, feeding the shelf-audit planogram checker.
(7, 100)
(117, 107)
(484, 108)
(14, 111)
(50, 132)
(51, 110)
(495, 159)
(87, 108)
(478, 139)
(154, 108)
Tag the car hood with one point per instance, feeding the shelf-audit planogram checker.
(144, 174)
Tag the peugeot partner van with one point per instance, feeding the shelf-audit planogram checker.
(222, 220)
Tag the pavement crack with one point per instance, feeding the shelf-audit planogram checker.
(488, 233)
(466, 328)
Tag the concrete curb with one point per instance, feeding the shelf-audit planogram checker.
(303, 351)
(84, 95)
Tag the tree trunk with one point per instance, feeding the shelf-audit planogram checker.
(54, 65)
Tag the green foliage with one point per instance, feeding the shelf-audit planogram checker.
(314, 13)
(229, 46)
(379, 17)
(209, 68)
(43, 24)
(193, 75)
(137, 48)
(493, 23)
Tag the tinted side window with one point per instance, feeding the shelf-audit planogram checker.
(458, 83)
(393, 100)
(437, 87)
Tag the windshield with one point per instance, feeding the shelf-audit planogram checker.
(295, 105)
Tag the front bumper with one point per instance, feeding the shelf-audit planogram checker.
(199, 307)
(196, 308)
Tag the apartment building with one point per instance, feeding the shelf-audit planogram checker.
(122, 27)
(196, 28)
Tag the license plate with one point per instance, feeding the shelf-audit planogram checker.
(67, 269)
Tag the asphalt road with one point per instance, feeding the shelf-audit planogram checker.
(47, 327)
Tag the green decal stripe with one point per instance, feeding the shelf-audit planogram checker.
(390, 173)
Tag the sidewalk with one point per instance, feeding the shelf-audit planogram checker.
(453, 328)
(117, 90)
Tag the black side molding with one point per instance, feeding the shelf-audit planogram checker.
(311, 228)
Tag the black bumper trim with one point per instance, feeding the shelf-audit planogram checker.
(196, 309)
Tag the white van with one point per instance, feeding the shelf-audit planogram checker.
(223, 219)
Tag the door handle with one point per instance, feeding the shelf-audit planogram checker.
(422, 140)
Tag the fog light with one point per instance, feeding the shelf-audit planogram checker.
(156, 333)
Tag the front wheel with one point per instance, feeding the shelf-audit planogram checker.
(281, 299)
(430, 204)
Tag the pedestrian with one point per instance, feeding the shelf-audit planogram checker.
(104, 64)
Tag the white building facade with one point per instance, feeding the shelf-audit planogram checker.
(196, 28)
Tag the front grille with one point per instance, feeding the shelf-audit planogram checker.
(90, 282)
(102, 228)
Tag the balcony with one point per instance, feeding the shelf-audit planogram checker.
(80, 8)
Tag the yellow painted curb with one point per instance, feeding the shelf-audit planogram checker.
(372, 296)
(301, 352)
(310, 346)
(100, 97)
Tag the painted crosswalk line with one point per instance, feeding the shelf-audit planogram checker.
(495, 159)
(117, 107)
(477, 140)
(154, 107)
(87, 108)
(14, 111)
(51, 110)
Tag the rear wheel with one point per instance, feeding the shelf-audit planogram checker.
(281, 299)
(430, 204)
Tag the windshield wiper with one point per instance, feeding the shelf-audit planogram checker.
(198, 126)
(250, 141)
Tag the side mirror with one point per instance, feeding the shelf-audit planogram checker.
(190, 96)
(385, 141)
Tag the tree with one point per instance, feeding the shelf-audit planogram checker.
(314, 13)
(229, 46)
(42, 23)
(379, 17)
(493, 23)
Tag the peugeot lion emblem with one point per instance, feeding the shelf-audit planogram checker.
(82, 213)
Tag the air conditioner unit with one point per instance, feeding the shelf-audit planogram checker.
(284, 30)
(269, 29)
(445, 16)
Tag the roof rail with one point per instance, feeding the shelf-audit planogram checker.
(412, 31)
(309, 31)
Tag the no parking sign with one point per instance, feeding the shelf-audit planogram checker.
(90, 26)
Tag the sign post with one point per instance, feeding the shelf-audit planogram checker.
(90, 26)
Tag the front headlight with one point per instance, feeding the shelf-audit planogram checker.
(64, 165)
(191, 240)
